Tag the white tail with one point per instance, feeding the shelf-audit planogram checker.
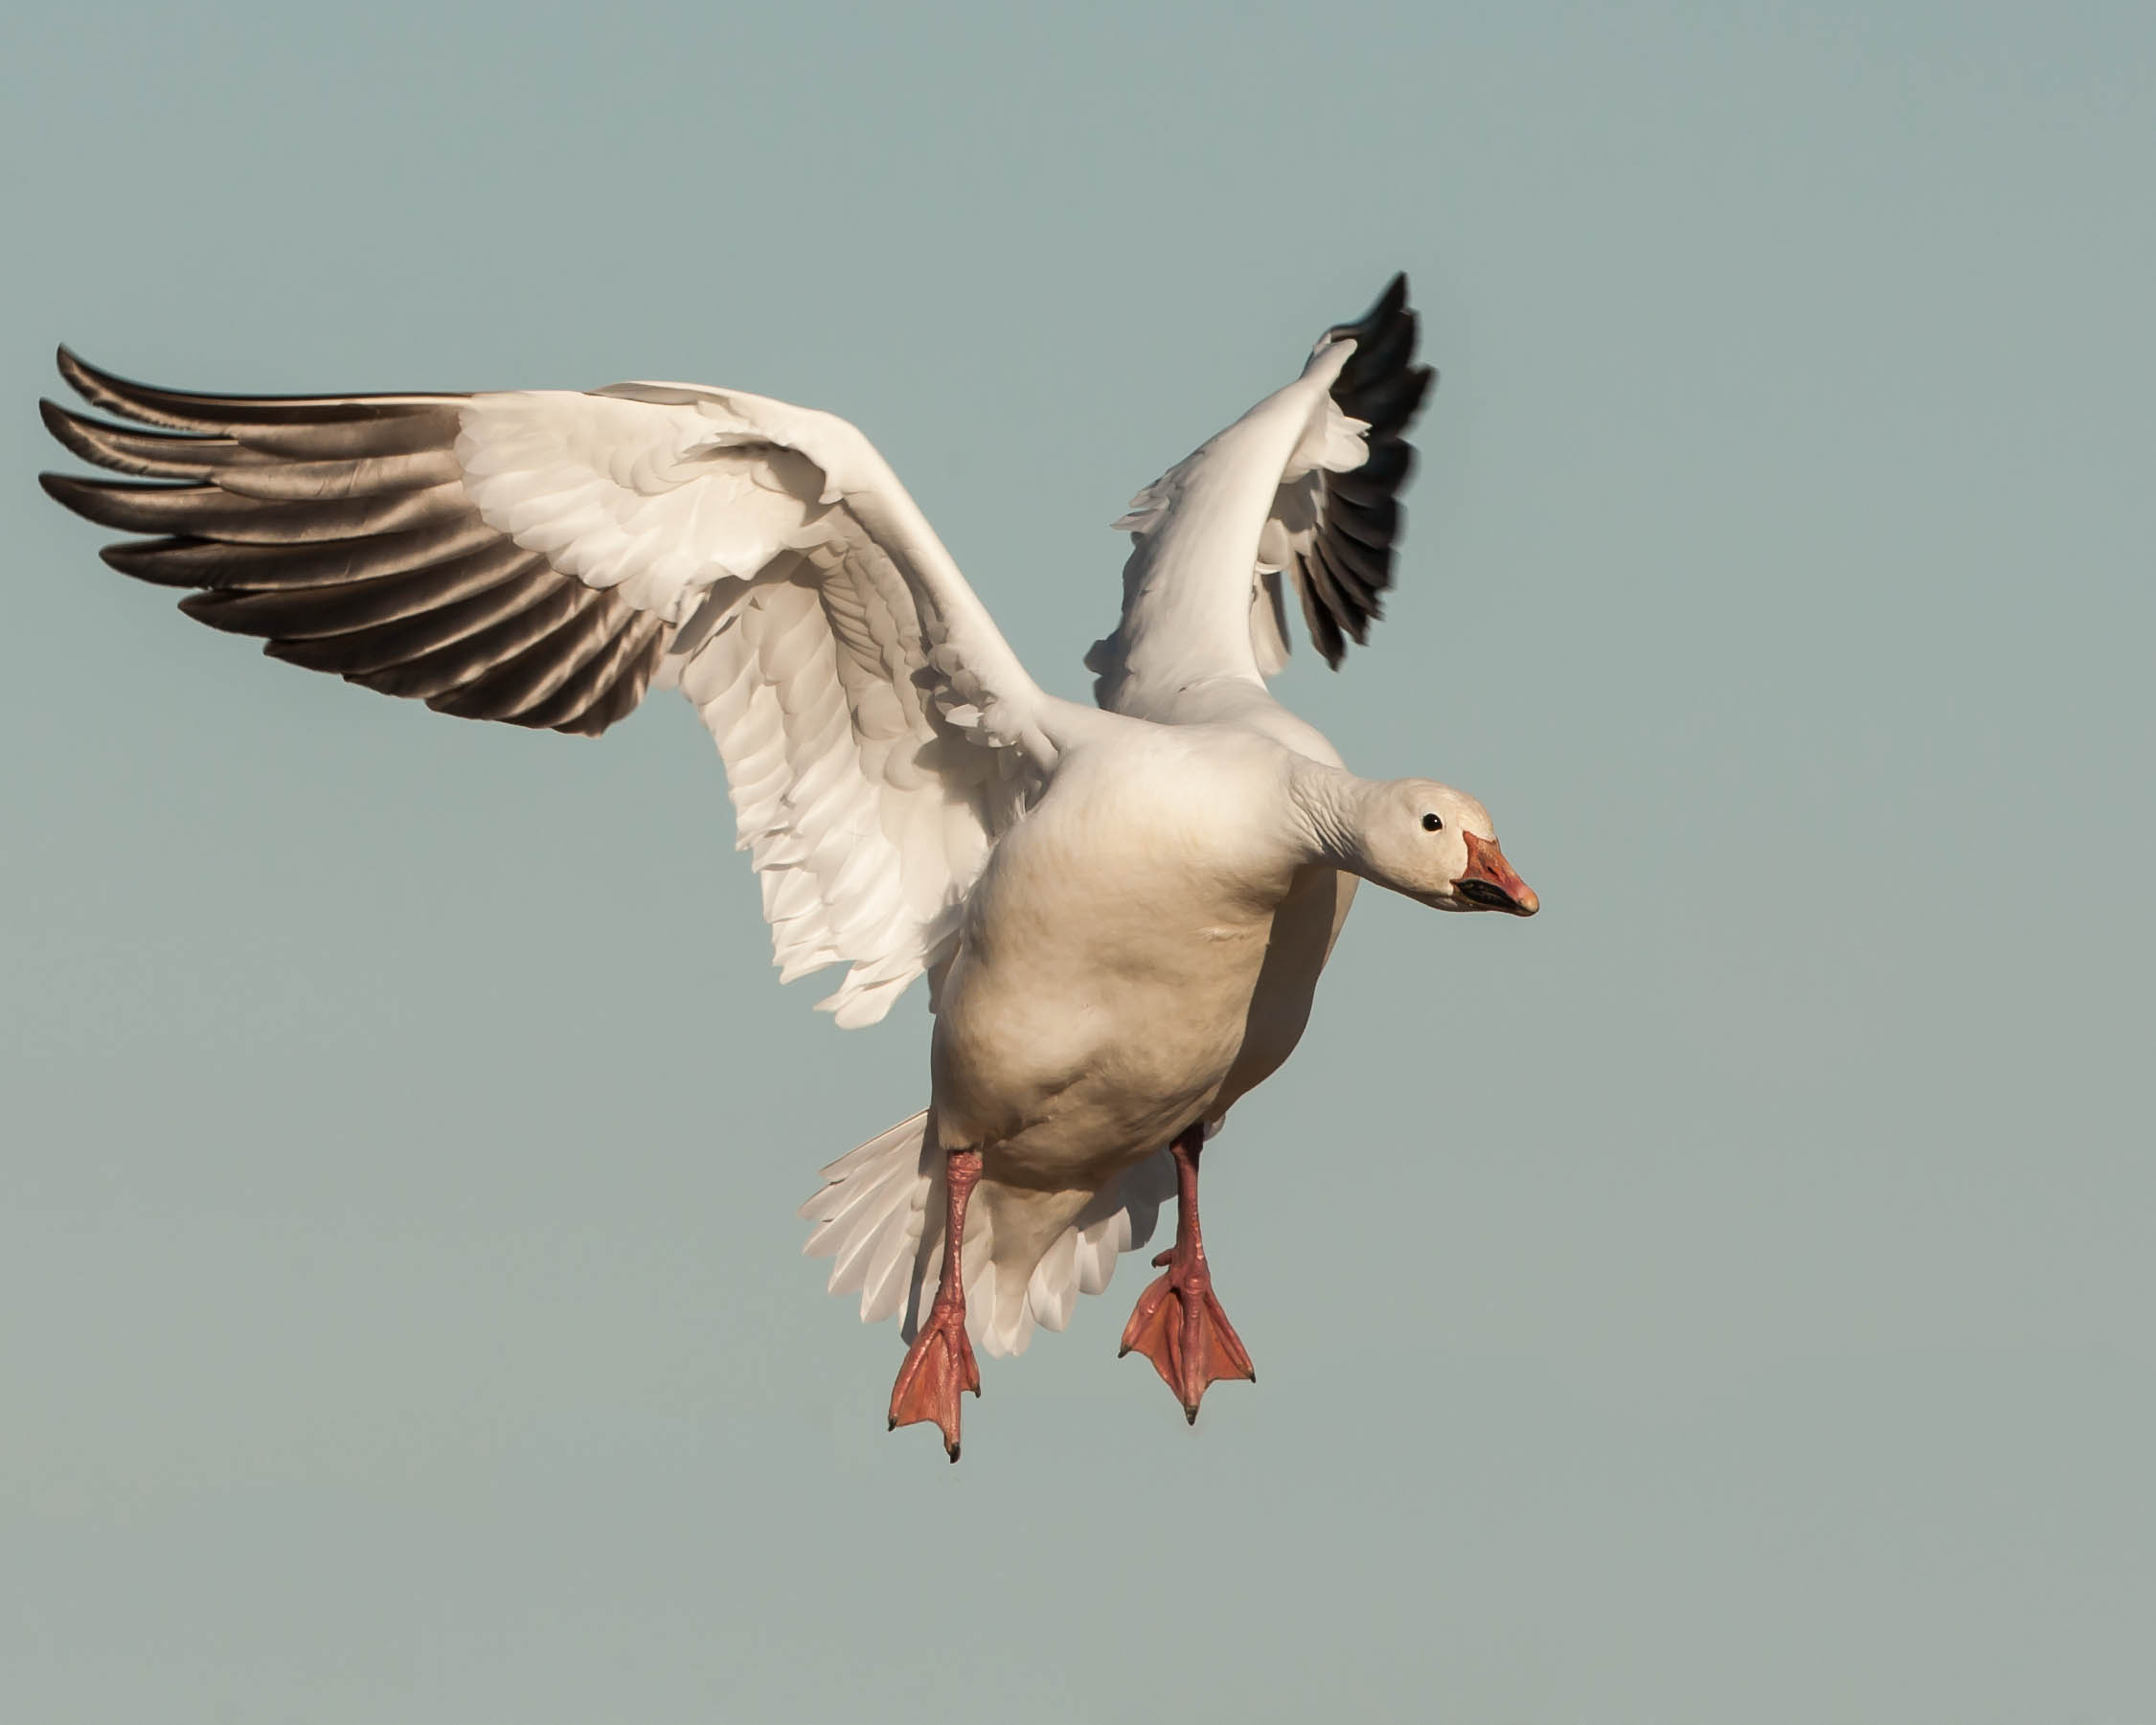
(880, 1216)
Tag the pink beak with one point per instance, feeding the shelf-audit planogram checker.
(1489, 881)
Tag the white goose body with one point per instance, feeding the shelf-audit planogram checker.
(1071, 1043)
(1122, 913)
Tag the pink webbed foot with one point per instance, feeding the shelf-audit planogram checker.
(1178, 1323)
(1179, 1326)
(937, 1368)
(940, 1365)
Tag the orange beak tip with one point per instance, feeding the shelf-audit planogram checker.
(1498, 886)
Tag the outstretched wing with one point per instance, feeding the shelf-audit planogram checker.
(543, 557)
(1305, 486)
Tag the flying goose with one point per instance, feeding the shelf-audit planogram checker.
(1121, 911)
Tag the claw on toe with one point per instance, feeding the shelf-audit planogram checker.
(937, 1368)
(1178, 1323)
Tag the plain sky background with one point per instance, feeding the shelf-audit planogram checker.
(1726, 1297)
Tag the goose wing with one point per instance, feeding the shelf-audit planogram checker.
(546, 558)
(1304, 488)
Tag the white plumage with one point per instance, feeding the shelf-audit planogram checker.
(874, 1221)
(800, 638)
(1123, 911)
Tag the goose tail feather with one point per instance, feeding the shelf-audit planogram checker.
(879, 1220)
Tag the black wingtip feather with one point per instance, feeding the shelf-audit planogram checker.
(1392, 399)
(1388, 305)
(1350, 564)
(66, 427)
(1374, 332)
(107, 502)
(181, 410)
(382, 572)
(131, 451)
(116, 394)
(152, 562)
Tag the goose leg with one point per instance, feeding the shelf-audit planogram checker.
(939, 1364)
(1178, 1323)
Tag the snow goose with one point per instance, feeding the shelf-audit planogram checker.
(1121, 911)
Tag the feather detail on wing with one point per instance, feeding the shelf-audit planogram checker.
(544, 558)
(1303, 488)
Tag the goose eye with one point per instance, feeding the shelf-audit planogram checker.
(1432, 824)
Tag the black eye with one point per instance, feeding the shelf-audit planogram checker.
(1432, 824)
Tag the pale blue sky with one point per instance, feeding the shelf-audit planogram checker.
(1725, 1298)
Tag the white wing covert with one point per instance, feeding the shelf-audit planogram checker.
(543, 557)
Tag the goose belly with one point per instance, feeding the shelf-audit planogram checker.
(1079, 1030)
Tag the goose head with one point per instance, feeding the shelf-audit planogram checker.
(1437, 846)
